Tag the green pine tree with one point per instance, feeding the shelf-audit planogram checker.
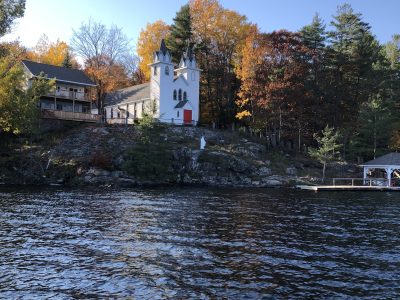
(181, 33)
(67, 62)
(327, 147)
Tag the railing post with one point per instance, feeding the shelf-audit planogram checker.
(334, 181)
(352, 182)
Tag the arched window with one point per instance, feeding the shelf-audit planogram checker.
(155, 71)
(184, 96)
(193, 76)
(167, 70)
(180, 95)
(174, 94)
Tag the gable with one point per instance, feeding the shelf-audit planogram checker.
(180, 79)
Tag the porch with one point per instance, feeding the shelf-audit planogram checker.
(69, 116)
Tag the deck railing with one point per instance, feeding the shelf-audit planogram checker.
(69, 115)
(162, 120)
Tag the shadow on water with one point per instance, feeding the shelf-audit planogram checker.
(198, 243)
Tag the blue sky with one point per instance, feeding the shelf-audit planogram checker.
(57, 18)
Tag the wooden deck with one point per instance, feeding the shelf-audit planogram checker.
(317, 188)
(70, 116)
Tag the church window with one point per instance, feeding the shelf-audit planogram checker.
(184, 96)
(180, 95)
(155, 71)
(174, 94)
(167, 70)
(193, 76)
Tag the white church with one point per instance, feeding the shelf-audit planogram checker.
(171, 96)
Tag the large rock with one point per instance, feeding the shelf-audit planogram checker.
(264, 171)
(291, 171)
(98, 172)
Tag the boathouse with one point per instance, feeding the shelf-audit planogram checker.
(388, 165)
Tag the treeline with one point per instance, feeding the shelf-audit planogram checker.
(287, 86)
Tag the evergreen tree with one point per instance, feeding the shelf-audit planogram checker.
(352, 53)
(327, 147)
(67, 62)
(314, 37)
(181, 33)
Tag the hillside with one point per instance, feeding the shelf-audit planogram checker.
(129, 156)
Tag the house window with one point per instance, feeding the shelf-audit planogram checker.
(142, 107)
(112, 113)
(59, 106)
(155, 71)
(177, 114)
(167, 70)
(174, 94)
(180, 95)
(118, 114)
(184, 96)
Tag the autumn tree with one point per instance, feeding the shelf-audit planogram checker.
(219, 35)
(149, 42)
(104, 51)
(53, 53)
(181, 33)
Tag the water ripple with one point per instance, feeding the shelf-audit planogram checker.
(198, 243)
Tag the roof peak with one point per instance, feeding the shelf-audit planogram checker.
(163, 47)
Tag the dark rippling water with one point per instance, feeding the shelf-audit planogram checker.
(199, 243)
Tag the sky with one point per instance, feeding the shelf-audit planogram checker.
(57, 18)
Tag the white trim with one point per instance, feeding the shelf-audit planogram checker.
(60, 80)
(129, 102)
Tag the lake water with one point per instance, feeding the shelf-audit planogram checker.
(199, 243)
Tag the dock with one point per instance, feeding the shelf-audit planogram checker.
(332, 188)
(354, 184)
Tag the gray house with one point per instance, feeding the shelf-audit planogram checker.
(73, 94)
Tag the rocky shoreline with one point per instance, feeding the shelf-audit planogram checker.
(119, 156)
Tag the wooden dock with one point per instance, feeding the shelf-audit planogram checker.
(332, 188)
(355, 184)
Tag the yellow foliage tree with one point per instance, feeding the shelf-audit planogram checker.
(149, 41)
(50, 53)
(219, 34)
(251, 57)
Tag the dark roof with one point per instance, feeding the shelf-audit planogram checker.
(60, 73)
(181, 104)
(163, 49)
(129, 94)
(385, 160)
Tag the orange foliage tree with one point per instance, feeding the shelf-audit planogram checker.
(149, 41)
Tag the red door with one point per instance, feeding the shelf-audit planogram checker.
(187, 116)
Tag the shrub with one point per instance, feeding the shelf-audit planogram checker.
(101, 160)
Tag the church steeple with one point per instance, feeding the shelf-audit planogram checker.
(188, 60)
(163, 54)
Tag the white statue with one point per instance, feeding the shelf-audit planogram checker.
(202, 143)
